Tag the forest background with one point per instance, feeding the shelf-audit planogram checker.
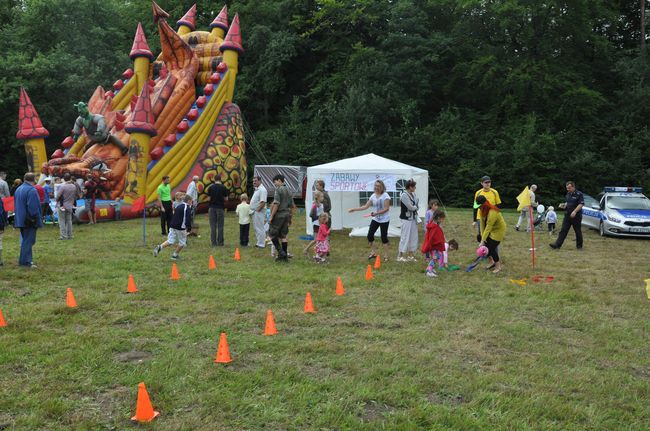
(527, 91)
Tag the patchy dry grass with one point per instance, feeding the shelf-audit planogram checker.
(463, 351)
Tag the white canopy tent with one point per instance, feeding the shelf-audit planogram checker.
(349, 183)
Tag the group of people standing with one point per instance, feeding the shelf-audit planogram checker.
(32, 204)
(278, 218)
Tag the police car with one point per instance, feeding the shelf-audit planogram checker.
(618, 211)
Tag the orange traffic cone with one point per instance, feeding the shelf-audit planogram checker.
(174, 275)
(3, 323)
(270, 324)
(377, 262)
(131, 288)
(211, 263)
(237, 256)
(144, 411)
(309, 305)
(339, 287)
(369, 275)
(69, 299)
(223, 353)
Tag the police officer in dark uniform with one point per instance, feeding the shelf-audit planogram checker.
(572, 216)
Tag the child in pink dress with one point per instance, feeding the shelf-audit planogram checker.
(322, 239)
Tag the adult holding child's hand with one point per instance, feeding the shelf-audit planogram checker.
(380, 202)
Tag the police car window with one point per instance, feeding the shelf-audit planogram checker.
(628, 203)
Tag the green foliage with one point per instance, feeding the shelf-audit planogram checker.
(523, 90)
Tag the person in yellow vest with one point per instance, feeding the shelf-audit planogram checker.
(491, 195)
(493, 231)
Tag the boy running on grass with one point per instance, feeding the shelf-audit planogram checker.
(180, 225)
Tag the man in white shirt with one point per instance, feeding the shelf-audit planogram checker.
(524, 211)
(193, 192)
(4, 187)
(258, 211)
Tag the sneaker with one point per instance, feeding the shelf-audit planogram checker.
(553, 246)
(431, 274)
(156, 250)
(402, 259)
(289, 255)
(517, 228)
(175, 257)
(411, 259)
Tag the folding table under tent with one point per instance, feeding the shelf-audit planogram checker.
(349, 183)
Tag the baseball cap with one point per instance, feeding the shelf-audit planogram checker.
(485, 178)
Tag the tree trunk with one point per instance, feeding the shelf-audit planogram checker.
(642, 36)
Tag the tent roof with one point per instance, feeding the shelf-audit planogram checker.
(371, 163)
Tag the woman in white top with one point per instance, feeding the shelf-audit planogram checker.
(408, 242)
(380, 202)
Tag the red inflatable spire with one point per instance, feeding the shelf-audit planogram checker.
(142, 120)
(158, 12)
(221, 20)
(140, 46)
(233, 38)
(29, 123)
(189, 19)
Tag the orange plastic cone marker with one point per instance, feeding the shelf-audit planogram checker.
(237, 256)
(223, 353)
(369, 275)
(69, 299)
(3, 323)
(270, 324)
(131, 288)
(309, 305)
(377, 262)
(339, 287)
(211, 263)
(144, 411)
(174, 275)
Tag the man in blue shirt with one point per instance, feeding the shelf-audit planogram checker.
(27, 210)
(572, 216)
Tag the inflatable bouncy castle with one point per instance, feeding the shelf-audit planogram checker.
(167, 116)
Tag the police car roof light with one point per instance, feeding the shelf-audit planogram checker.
(623, 189)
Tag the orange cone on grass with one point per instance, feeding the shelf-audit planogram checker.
(309, 305)
(377, 262)
(339, 287)
(131, 287)
(3, 323)
(369, 275)
(223, 353)
(69, 299)
(144, 411)
(237, 256)
(270, 328)
(174, 275)
(211, 263)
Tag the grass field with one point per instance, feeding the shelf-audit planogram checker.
(464, 351)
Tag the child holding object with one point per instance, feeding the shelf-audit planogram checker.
(243, 211)
(317, 209)
(551, 219)
(434, 242)
(428, 216)
(180, 225)
(493, 231)
(322, 240)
